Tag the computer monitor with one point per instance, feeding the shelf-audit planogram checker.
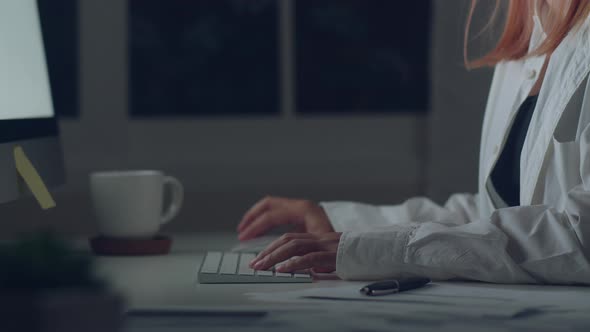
(27, 117)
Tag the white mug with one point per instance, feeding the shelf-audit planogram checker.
(129, 204)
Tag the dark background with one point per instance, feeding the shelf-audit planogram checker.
(356, 55)
(221, 57)
(203, 57)
(298, 145)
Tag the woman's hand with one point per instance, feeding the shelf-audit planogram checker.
(270, 212)
(302, 250)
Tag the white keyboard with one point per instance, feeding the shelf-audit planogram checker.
(232, 268)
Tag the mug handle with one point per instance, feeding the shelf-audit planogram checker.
(177, 192)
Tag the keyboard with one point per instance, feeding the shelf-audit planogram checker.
(232, 268)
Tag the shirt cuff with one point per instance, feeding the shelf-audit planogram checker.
(373, 255)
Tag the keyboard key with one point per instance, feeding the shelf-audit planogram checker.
(229, 264)
(283, 275)
(301, 275)
(211, 263)
(244, 268)
(264, 273)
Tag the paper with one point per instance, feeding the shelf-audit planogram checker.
(435, 300)
(562, 297)
(443, 306)
(32, 178)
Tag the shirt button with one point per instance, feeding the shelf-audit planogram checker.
(531, 74)
(496, 149)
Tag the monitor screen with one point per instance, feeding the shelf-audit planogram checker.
(27, 118)
(24, 87)
(26, 107)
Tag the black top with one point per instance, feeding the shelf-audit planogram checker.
(506, 174)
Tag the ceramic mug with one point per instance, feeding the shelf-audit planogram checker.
(129, 204)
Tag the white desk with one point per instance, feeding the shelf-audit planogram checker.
(170, 281)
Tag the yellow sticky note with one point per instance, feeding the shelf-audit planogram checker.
(28, 172)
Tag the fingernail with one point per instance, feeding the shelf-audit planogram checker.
(280, 268)
(258, 265)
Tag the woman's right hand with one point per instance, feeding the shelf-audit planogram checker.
(270, 212)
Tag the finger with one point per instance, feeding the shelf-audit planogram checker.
(257, 209)
(265, 222)
(278, 243)
(323, 269)
(322, 259)
(297, 247)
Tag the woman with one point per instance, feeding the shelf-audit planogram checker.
(529, 222)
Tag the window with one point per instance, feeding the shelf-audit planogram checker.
(203, 57)
(229, 57)
(59, 22)
(357, 55)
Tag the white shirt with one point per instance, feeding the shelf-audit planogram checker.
(545, 240)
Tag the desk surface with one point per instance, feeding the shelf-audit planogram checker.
(171, 281)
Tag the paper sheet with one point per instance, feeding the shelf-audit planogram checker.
(446, 300)
(445, 306)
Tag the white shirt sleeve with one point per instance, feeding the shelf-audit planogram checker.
(530, 244)
(524, 244)
(352, 216)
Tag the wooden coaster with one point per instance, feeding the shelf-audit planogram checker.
(105, 246)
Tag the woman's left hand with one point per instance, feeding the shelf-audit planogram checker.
(310, 251)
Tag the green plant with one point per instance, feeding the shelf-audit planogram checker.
(41, 262)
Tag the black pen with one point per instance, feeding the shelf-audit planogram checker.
(393, 286)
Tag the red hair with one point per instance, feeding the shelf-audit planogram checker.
(514, 42)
